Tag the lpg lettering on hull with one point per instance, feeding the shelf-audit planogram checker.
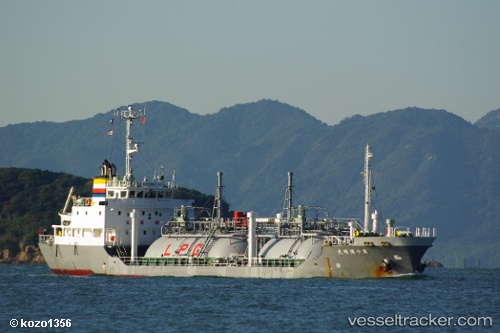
(196, 250)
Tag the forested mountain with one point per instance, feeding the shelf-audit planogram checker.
(431, 168)
(29, 202)
(491, 120)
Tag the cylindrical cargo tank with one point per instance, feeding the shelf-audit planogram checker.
(225, 247)
(310, 248)
(303, 249)
(277, 248)
(175, 247)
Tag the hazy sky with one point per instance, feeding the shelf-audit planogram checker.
(64, 60)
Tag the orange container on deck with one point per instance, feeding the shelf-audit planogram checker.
(240, 219)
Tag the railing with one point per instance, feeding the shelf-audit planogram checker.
(425, 232)
(418, 232)
(194, 261)
(337, 240)
(116, 182)
(46, 239)
(83, 201)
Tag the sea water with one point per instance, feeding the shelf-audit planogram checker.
(32, 299)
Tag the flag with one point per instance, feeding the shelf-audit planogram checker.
(110, 132)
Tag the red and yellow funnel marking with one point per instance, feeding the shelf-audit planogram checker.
(99, 188)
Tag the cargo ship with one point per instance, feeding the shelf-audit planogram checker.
(137, 228)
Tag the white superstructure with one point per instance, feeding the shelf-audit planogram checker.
(107, 217)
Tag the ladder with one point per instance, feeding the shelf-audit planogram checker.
(290, 251)
(121, 251)
(208, 243)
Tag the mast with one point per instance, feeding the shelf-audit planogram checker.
(367, 179)
(218, 198)
(133, 235)
(130, 147)
(288, 198)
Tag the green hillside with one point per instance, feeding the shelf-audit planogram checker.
(29, 201)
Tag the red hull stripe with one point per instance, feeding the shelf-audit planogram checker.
(76, 272)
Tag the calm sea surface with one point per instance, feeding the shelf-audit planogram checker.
(31, 293)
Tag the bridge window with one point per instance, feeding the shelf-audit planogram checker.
(123, 194)
(140, 194)
(87, 232)
(131, 194)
